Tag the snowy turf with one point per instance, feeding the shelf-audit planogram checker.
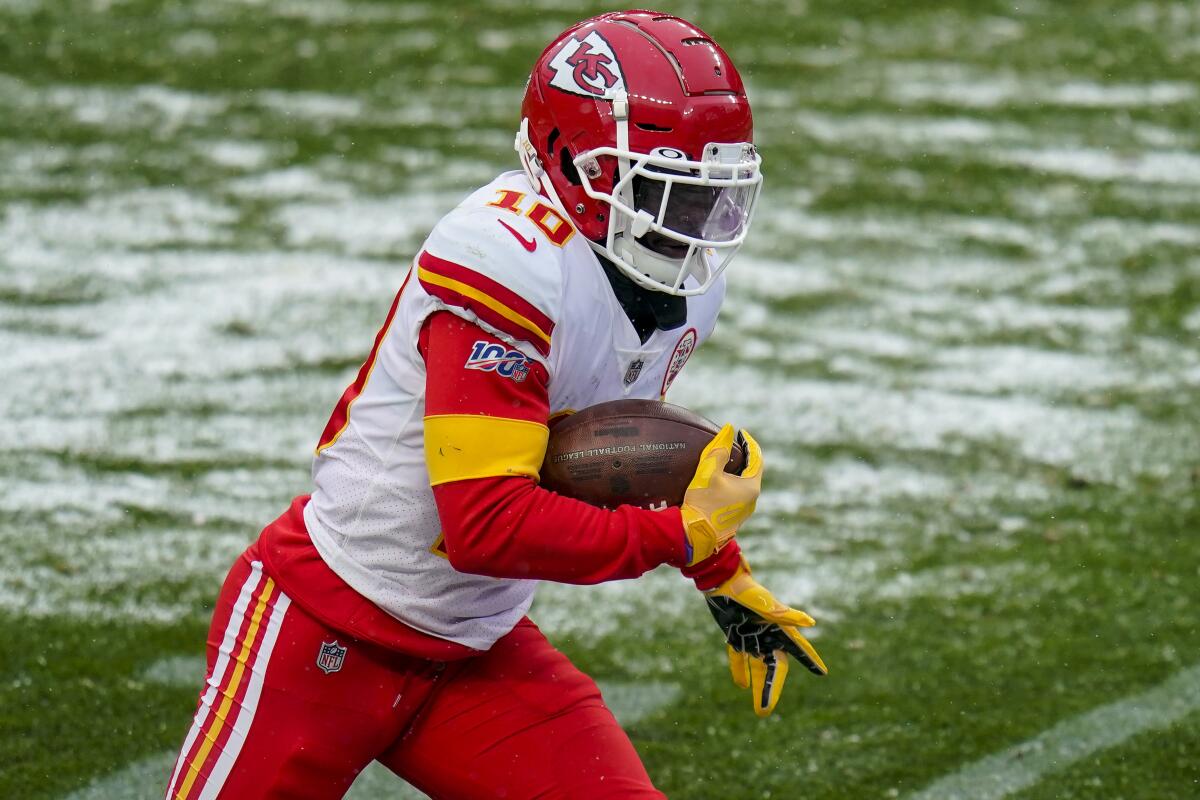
(906, 365)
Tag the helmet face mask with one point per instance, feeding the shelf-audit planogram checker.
(671, 217)
(659, 176)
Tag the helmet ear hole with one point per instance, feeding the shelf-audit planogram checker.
(567, 165)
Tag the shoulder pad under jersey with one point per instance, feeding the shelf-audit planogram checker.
(500, 267)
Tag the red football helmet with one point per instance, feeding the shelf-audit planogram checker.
(636, 126)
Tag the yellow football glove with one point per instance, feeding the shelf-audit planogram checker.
(760, 633)
(718, 502)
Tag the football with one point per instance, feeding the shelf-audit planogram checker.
(637, 452)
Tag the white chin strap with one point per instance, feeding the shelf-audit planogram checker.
(620, 104)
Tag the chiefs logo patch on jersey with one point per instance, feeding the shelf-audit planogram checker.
(491, 357)
(587, 66)
(683, 351)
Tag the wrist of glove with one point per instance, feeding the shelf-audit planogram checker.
(717, 503)
(760, 634)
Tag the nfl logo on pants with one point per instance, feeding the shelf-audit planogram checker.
(331, 657)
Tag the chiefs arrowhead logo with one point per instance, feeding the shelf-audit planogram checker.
(587, 66)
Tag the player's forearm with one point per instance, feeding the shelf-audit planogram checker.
(511, 528)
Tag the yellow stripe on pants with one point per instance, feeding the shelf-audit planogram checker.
(230, 691)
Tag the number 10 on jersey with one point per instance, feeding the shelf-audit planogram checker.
(549, 221)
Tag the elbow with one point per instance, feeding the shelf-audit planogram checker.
(466, 554)
(470, 555)
(477, 526)
(461, 555)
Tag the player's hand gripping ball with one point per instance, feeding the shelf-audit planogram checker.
(629, 452)
(655, 455)
(718, 502)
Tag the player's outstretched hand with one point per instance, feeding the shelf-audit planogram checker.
(760, 633)
(717, 502)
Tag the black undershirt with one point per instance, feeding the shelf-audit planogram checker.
(647, 309)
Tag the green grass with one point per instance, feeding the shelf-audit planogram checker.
(975, 383)
(75, 701)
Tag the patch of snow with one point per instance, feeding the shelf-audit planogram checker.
(139, 218)
(971, 87)
(292, 183)
(1023, 369)
(923, 132)
(1152, 166)
(311, 105)
(243, 154)
(380, 226)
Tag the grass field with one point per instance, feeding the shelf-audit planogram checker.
(966, 330)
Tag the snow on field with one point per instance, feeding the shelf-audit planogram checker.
(905, 130)
(189, 278)
(141, 218)
(185, 342)
(230, 332)
(970, 87)
(365, 227)
(1173, 167)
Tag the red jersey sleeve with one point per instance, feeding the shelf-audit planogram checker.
(486, 409)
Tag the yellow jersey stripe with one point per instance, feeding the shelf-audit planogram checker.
(459, 447)
(495, 305)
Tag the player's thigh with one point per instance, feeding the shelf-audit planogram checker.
(270, 722)
(519, 721)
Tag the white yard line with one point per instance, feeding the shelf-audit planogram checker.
(1021, 766)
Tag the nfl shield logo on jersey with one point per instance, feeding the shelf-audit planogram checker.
(331, 657)
(635, 369)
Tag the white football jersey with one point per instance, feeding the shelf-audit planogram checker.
(372, 515)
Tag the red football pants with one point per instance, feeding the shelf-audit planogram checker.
(284, 716)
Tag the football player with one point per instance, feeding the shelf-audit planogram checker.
(384, 616)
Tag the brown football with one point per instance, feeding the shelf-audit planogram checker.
(639, 452)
